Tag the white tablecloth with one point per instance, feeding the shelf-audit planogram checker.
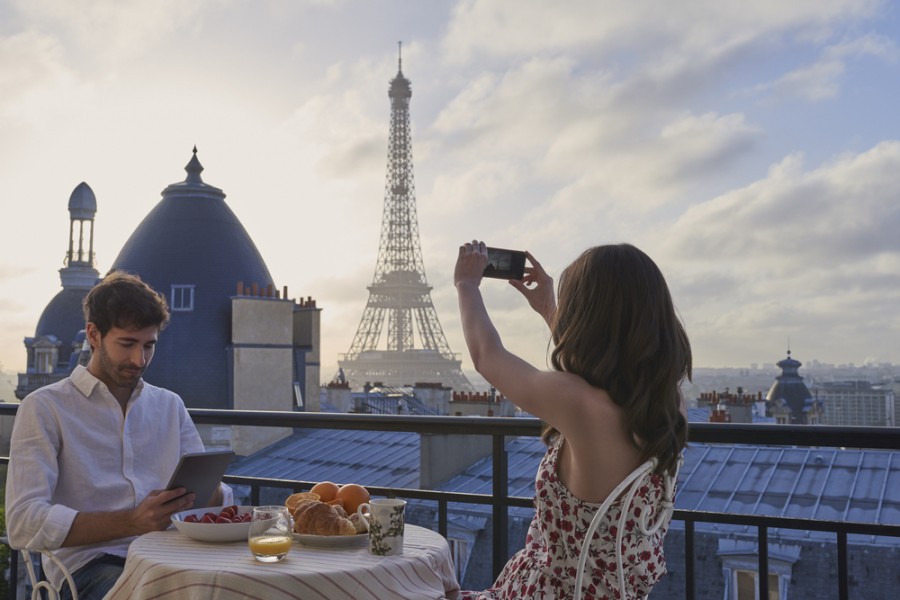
(169, 565)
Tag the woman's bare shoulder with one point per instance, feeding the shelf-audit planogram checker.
(568, 402)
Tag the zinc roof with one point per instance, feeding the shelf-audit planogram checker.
(807, 483)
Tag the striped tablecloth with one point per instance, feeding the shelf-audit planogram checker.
(169, 565)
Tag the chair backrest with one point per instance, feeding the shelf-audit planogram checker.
(38, 584)
(629, 488)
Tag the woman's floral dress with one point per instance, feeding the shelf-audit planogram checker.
(546, 567)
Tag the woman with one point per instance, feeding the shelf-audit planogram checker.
(611, 402)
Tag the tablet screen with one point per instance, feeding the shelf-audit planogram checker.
(201, 473)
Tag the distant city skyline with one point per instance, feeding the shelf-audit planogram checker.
(751, 150)
(753, 378)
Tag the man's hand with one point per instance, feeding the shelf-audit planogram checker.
(155, 512)
(152, 514)
(537, 287)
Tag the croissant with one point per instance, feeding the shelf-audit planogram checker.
(302, 505)
(294, 499)
(318, 518)
(358, 523)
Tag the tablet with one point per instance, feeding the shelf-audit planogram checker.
(201, 473)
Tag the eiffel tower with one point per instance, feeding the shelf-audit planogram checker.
(399, 292)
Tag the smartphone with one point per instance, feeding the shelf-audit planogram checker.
(505, 264)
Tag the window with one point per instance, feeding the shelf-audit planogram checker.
(459, 550)
(747, 588)
(298, 394)
(45, 360)
(46, 354)
(182, 298)
(740, 565)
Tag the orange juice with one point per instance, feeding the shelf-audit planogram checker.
(270, 548)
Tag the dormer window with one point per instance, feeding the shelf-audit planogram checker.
(182, 298)
(44, 360)
(740, 564)
(46, 354)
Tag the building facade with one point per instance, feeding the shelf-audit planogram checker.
(857, 403)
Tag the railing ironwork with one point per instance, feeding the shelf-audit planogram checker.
(500, 428)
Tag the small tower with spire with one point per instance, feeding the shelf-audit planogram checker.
(789, 400)
(80, 267)
(58, 342)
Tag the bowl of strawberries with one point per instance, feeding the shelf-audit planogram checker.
(214, 523)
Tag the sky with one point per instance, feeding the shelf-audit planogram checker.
(751, 148)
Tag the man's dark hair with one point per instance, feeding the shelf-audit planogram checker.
(122, 300)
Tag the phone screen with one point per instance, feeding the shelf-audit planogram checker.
(505, 264)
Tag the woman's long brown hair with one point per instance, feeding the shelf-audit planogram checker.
(616, 327)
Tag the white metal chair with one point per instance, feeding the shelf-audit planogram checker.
(38, 584)
(629, 487)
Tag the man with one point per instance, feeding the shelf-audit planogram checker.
(91, 454)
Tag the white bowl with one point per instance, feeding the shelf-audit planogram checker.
(212, 532)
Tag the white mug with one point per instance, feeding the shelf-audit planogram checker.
(385, 524)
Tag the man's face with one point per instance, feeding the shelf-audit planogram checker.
(121, 355)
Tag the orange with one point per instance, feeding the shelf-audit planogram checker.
(326, 490)
(352, 495)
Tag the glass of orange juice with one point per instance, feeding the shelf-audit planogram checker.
(271, 533)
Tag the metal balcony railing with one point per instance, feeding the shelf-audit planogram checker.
(500, 428)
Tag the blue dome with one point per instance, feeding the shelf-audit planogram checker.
(63, 319)
(194, 250)
(789, 389)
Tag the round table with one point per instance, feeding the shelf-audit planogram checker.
(169, 565)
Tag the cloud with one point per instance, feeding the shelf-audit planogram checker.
(114, 30)
(516, 111)
(344, 147)
(489, 28)
(34, 75)
(846, 210)
(596, 192)
(691, 52)
(811, 253)
(870, 44)
(656, 167)
(821, 80)
(548, 122)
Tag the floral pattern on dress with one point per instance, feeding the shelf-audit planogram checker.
(546, 567)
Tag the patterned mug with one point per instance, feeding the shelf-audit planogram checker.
(385, 523)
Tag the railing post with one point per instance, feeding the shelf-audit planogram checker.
(442, 517)
(500, 513)
(13, 573)
(843, 580)
(763, 579)
(689, 574)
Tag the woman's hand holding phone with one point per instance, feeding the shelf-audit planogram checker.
(537, 287)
